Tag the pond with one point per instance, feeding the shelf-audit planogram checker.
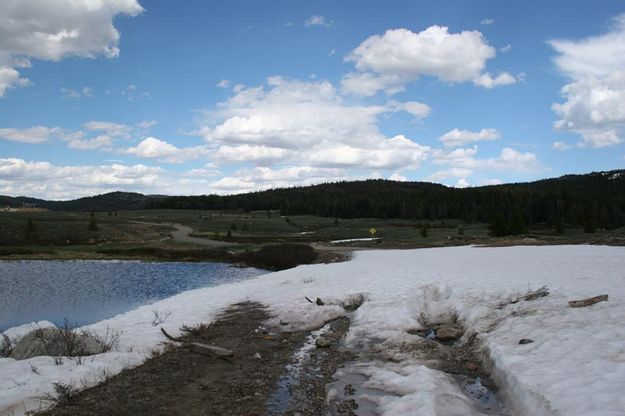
(88, 291)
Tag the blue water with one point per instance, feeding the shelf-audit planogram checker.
(88, 291)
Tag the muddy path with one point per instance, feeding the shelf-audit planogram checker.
(182, 234)
(260, 379)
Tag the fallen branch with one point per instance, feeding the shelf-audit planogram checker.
(208, 349)
(308, 299)
(529, 296)
(170, 337)
(587, 302)
(199, 348)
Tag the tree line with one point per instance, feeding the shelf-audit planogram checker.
(595, 200)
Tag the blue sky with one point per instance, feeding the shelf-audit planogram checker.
(201, 97)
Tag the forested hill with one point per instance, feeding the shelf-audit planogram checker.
(105, 202)
(577, 199)
(597, 198)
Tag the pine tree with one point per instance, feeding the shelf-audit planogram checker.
(424, 231)
(589, 226)
(31, 233)
(498, 226)
(559, 227)
(517, 225)
(92, 225)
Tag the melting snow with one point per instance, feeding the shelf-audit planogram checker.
(575, 366)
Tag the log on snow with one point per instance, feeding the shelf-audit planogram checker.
(587, 302)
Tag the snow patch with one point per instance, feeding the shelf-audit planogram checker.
(575, 366)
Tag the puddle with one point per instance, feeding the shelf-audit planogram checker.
(484, 399)
(348, 397)
(302, 388)
(279, 401)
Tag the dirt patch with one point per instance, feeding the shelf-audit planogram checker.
(182, 382)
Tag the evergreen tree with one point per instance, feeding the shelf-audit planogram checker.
(589, 226)
(498, 226)
(92, 225)
(558, 227)
(424, 231)
(517, 225)
(31, 232)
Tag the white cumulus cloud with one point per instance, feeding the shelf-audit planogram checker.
(457, 137)
(387, 62)
(594, 99)
(54, 30)
(36, 134)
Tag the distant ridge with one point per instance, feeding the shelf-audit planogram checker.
(105, 202)
(597, 196)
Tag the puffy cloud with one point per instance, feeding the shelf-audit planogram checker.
(394, 153)
(594, 108)
(396, 176)
(594, 105)
(151, 147)
(441, 175)
(596, 56)
(487, 21)
(419, 110)
(42, 179)
(508, 160)
(462, 183)
(37, 134)
(505, 49)
(316, 20)
(10, 78)
(259, 155)
(308, 123)
(93, 135)
(458, 137)
(487, 81)
(387, 62)
(52, 31)
(99, 142)
(261, 178)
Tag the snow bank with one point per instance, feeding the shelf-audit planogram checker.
(576, 366)
(354, 240)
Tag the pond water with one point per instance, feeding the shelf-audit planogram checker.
(88, 291)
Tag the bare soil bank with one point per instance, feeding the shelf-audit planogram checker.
(182, 382)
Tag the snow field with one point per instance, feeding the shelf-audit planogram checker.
(576, 366)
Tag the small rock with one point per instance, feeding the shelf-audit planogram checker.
(323, 342)
(526, 341)
(448, 333)
(319, 302)
(257, 394)
(257, 356)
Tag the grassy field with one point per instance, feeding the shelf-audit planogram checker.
(67, 234)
